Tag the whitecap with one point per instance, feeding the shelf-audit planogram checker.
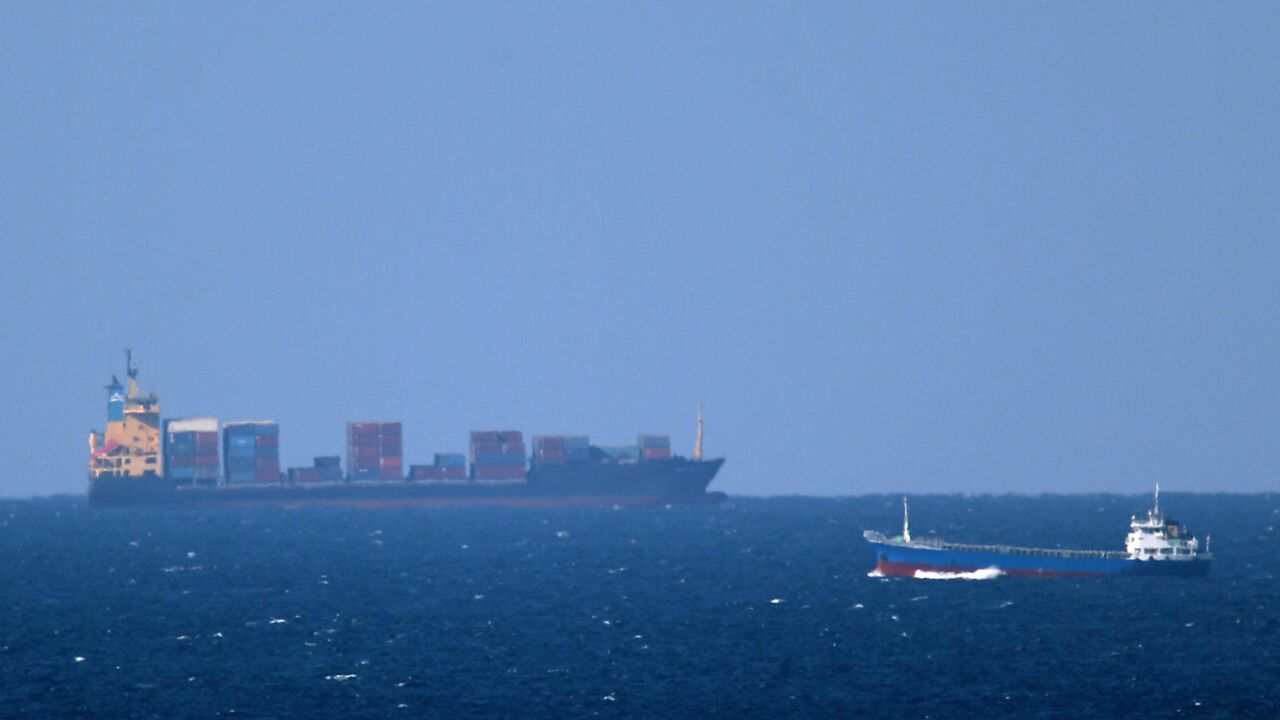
(990, 573)
(341, 678)
(79, 659)
(776, 601)
(875, 573)
(278, 621)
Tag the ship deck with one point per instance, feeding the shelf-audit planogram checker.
(931, 543)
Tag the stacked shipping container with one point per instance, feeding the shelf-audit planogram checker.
(445, 466)
(252, 451)
(375, 451)
(554, 449)
(191, 451)
(654, 447)
(325, 469)
(497, 455)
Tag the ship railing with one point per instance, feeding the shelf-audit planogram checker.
(936, 543)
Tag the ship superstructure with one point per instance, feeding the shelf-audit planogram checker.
(130, 446)
(1154, 546)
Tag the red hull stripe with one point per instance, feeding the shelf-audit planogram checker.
(895, 569)
(444, 502)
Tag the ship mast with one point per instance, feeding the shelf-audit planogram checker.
(1157, 502)
(906, 521)
(697, 443)
(132, 371)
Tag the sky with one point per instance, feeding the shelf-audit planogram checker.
(984, 247)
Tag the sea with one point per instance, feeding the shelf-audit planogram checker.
(756, 608)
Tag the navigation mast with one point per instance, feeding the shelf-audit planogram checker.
(697, 443)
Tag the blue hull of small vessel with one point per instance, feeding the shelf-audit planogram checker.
(906, 560)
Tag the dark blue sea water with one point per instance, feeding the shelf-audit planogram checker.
(758, 608)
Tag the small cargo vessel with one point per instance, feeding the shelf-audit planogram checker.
(1154, 546)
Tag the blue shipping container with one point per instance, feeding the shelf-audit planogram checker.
(237, 464)
(266, 429)
(241, 440)
(450, 460)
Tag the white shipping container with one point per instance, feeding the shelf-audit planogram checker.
(202, 424)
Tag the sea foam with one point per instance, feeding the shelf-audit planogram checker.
(990, 573)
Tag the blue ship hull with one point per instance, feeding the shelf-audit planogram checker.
(893, 558)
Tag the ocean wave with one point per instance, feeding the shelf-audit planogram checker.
(990, 573)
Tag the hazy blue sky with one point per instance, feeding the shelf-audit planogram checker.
(892, 246)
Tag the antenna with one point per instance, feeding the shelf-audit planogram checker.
(1157, 510)
(697, 443)
(906, 521)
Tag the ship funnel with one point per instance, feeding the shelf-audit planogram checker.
(906, 521)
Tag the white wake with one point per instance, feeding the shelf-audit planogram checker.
(990, 573)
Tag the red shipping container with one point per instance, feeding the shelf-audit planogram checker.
(206, 460)
(499, 472)
(391, 473)
(656, 453)
(548, 443)
(207, 437)
(182, 461)
(362, 427)
(389, 429)
(267, 475)
(510, 436)
(513, 448)
(484, 436)
(390, 448)
(368, 464)
(363, 452)
(267, 441)
(551, 456)
(487, 447)
(453, 471)
(394, 462)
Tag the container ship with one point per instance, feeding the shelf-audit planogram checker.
(140, 460)
(1154, 546)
